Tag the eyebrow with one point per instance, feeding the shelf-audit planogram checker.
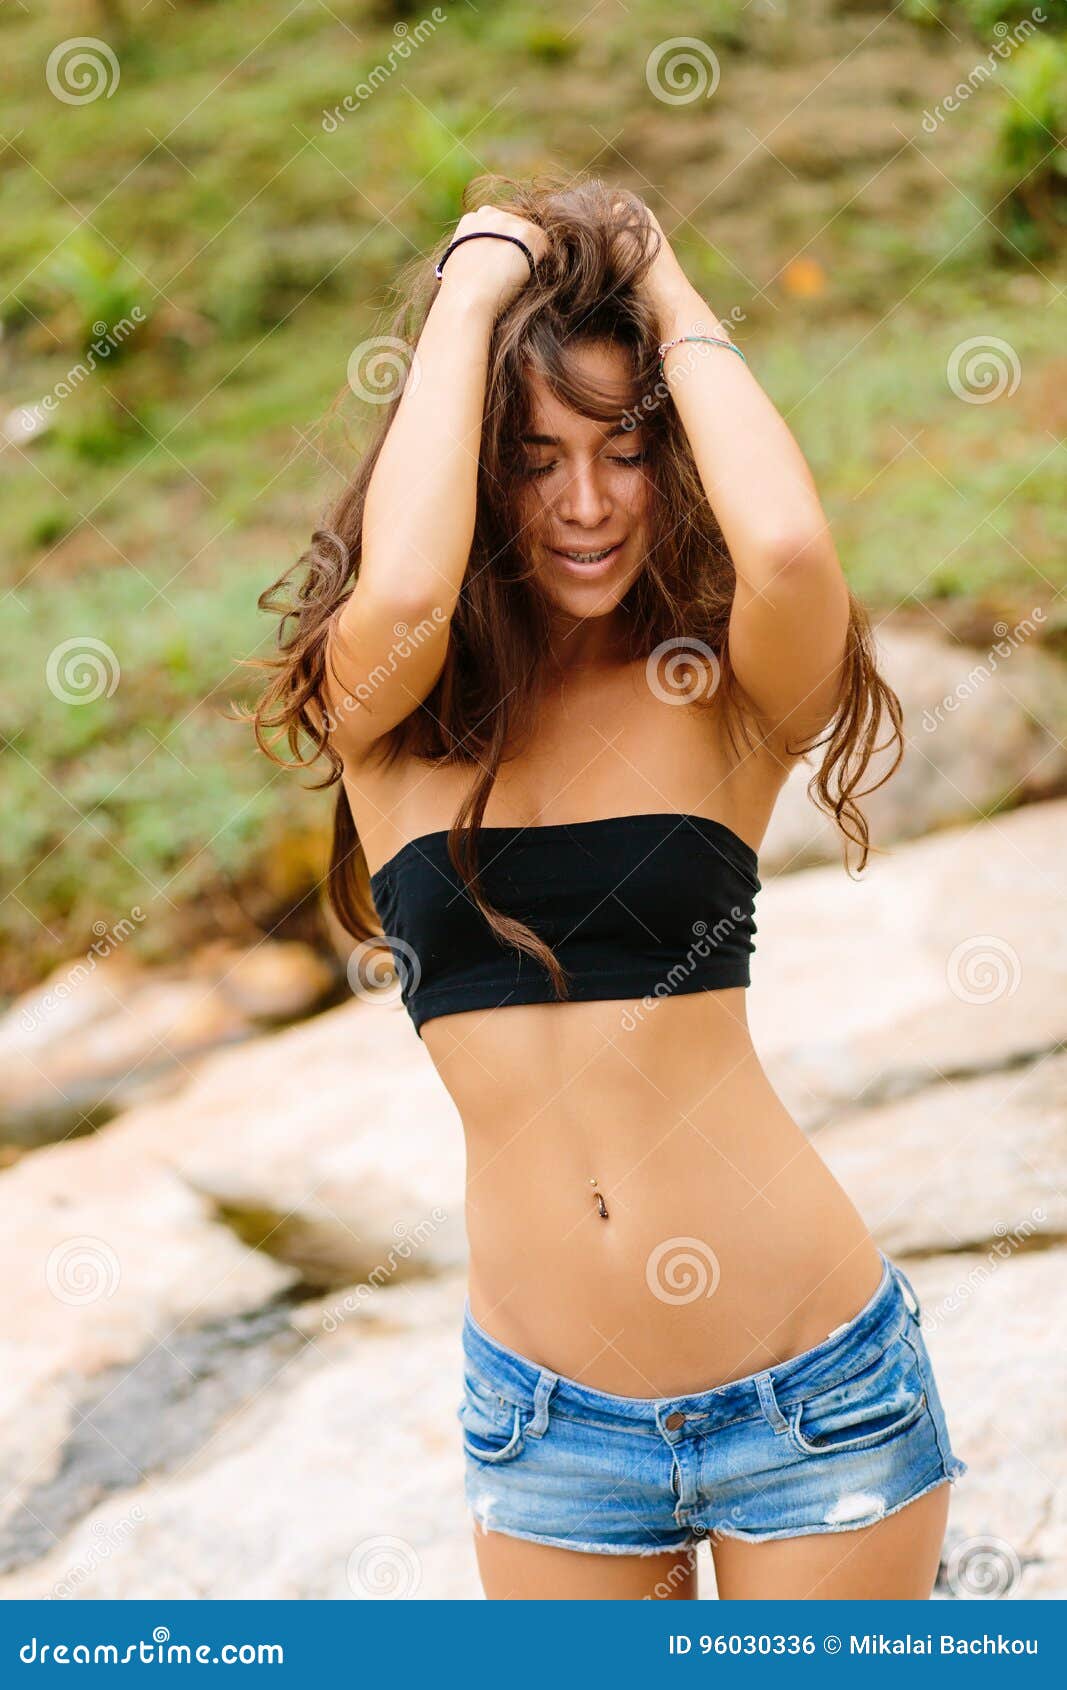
(553, 439)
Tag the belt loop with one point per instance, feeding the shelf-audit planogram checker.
(769, 1404)
(546, 1384)
(908, 1290)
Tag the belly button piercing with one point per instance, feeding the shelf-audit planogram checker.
(602, 1207)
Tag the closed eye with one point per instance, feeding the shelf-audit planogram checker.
(632, 459)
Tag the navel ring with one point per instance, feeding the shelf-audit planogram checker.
(602, 1207)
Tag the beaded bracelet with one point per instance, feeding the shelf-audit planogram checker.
(706, 340)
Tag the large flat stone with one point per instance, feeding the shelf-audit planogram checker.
(996, 1328)
(334, 1139)
(960, 1163)
(106, 1255)
(946, 957)
(982, 727)
(342, 1479)
(102, 1033)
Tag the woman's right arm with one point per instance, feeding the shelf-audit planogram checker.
(387, 645)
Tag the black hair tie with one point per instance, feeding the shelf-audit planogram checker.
(485, 234)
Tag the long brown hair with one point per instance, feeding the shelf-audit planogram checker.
(600, 246)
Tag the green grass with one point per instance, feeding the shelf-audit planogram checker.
(187, 471)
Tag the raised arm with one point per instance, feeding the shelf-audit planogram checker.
(388, 643)
(789, 622)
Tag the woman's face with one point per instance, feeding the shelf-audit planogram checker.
(585, 499)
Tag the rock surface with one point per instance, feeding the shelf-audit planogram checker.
(961, 1163)
(184, 1415)
(947, 957)
(102, 1033)
(342, 1477)
(333, 1144)
(973, 719)
(995, 1326)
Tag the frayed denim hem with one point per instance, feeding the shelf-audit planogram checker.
(590, 1548)
(946, 1476)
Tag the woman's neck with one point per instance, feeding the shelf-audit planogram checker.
(590, 643)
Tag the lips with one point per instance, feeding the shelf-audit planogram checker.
(587, 561)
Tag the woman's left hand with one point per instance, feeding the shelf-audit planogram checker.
(666, 286)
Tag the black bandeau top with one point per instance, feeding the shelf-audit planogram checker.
(644, 906)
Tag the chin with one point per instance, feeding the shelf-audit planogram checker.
(585, 600)
(585, 603)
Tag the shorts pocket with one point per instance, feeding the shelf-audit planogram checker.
(864, 1411)
(494, 1427)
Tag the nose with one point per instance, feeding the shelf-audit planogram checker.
(584, 499)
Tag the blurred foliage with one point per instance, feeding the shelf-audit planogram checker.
(260, 245)
(1032, 146)
(1027, 153)
(983, 16)
(100, 289)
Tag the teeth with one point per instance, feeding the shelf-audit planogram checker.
(589, 557)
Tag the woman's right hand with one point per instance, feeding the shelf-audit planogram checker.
(489, 272)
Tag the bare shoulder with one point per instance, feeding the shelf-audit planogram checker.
(397, 797)
(747, 765)
(372, 798)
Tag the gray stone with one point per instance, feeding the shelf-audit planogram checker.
(947, 958)
(996, 1329)
(983, 728)
(102, 1034)
(342, 1479)
(961, 1163)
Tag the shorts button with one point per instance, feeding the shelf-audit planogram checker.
(675, 1419)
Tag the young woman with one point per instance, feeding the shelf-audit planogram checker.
(568, 631)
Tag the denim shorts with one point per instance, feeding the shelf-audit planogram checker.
(831, 1440)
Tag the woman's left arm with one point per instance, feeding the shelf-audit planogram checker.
(789, 621)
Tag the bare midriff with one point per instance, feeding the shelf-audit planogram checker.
(727, 1245)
